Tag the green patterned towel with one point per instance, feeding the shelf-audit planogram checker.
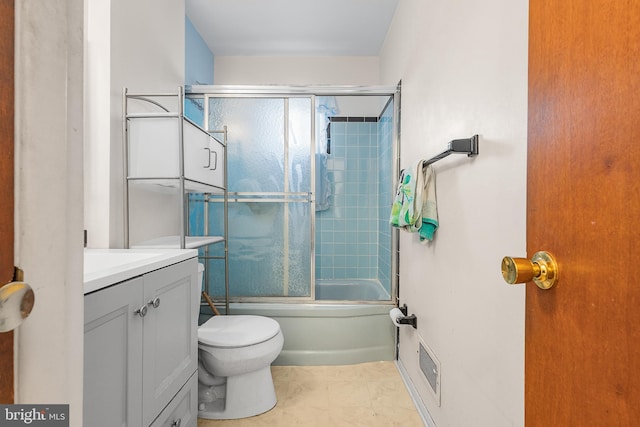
(414, 207)
(429, 206)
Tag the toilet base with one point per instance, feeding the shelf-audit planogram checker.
(246, 395)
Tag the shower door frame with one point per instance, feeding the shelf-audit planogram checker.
(206, 92)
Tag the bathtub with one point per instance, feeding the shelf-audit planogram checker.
(329, 334)
(350, 290)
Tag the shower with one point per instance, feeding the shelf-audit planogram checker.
(311, 173)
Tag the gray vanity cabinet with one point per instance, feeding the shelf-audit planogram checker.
(112, 345)
(141, 352)
(170, 338)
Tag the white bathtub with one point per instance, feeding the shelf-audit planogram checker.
(329, 334)
(350, 290)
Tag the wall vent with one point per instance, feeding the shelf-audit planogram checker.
(430, 367)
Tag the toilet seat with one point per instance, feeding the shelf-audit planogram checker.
(237, 331)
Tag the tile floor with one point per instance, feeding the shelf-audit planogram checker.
(367, 395)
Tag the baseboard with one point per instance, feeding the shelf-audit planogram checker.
(422, 409)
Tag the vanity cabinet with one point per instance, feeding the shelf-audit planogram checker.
(141, 352)
(113, 356)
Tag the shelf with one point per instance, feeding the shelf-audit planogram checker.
(173, 242)
(190, 186)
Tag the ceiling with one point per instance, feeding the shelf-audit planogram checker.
(292, 27)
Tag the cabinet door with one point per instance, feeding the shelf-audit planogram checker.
(198, 158)
(216, 168)
(170, 350)
(154, 148)
(203, 156)
(112, 354)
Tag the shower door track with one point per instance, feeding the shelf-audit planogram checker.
(289, 91)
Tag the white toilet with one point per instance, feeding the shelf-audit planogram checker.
(234, 365)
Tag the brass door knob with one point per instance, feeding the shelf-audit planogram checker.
(542, 269)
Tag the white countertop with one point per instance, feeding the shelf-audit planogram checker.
(104, 267)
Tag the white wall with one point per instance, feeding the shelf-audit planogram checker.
(48, 208)
(138, 44)
(296, 70)
(97, 150)
(304, 71)
(463, 67)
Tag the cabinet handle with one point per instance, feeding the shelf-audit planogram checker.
(208, 165)
(142, 311)
(215, 161)
(155, 303)
(176, 423)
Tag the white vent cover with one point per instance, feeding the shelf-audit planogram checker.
(430, 367)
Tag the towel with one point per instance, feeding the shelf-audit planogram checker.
(323, 185)
(403, 209)
(429, 206)
(414, 207)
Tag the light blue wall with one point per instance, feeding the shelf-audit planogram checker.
(198, 68)
(198, 57)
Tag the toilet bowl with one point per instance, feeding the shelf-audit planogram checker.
(234, 366)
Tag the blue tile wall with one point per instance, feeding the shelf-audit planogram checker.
(348, 239)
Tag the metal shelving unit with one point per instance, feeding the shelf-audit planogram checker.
(159, 143)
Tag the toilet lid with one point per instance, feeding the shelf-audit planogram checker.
(237, 331)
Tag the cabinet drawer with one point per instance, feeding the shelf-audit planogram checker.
(182, 411)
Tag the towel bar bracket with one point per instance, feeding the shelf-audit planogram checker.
(468, 146)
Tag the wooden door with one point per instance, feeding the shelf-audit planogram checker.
(583, 336)
(6, 184)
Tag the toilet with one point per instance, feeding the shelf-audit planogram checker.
(235, 353)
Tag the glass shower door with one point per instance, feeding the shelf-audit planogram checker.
(269, 164)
